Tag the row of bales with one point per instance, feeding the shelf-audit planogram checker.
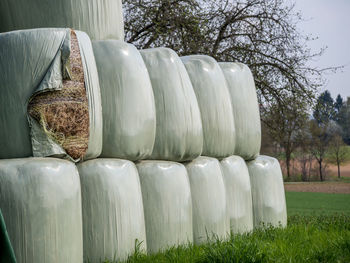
(103, 145)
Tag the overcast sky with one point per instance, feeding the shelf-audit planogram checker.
(330, 21)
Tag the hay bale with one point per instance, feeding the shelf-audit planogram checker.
(99, 19)
(210, 220)
(55, 87)
(167, 204)
(245, 106)
(269, 201)
(179, 135)
(129, 117)
(214, 102)
(238, 194)
(113, 217)
(40, 199)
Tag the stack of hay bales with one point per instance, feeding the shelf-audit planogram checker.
(165, 184)
(51, 106)
(189, 124)
(268, 197)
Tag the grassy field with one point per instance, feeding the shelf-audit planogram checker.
(318, 231)
(317, 203)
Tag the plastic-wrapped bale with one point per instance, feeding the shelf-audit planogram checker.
(238, 194)
(129, 118)
(214, 102)
(99, 19)
(167, 204)
(113, 217)
(40, 200)
(210, 220)
(50, 104)
(179, 135)
(269, 201)
(245, 106)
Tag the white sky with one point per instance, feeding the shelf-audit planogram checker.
(330, 21)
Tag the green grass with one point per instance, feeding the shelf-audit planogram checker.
(318, 231)
(317, 203)
(322, 238)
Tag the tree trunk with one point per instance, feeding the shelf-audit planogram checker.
(338, 169)
(320, 167)
(288, 165)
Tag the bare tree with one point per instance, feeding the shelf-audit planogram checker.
(285, 123)
(338, 152)
(260, 33)
(320, 141)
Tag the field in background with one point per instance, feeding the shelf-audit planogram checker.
(317, 203)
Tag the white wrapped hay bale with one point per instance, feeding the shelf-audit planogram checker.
(113, 217)
(129, 118)
(40, 200)
(238, 194)
(179, 127)
(214, 102)
(50, 105)
(210, 220)
(269, 201)
(99, 19)
(167, 204)
(245, 106)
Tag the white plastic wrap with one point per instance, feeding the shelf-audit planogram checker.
(40, 200)
(129, 118)
(167, 204)
(113, 217)
(210, 218)
(238, 194)
(179, 135)
(100, 19)
(214, 102)
(269, 201)
(245, 106)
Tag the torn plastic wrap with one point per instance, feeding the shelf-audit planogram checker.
(179, 135)
(214, 102)
(99, 19)
(129, 118)
(40, 200)
(113, 217)
(245, 106)
(167, 204)
(210, 220)
(238, 194)
(269, 201)
(50, 105)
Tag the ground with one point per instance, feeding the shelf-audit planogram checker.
(320, 187)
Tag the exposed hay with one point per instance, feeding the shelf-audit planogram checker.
(64, 114)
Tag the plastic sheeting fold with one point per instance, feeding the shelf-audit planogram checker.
(269, 201)
(210, 220)
(179, 135)
(245, 106)
(129, 119)
(33, 61)
(113, 217)
(214, 102)
(167, 204)
(100, 19)
(40, 199)
(238, 194)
